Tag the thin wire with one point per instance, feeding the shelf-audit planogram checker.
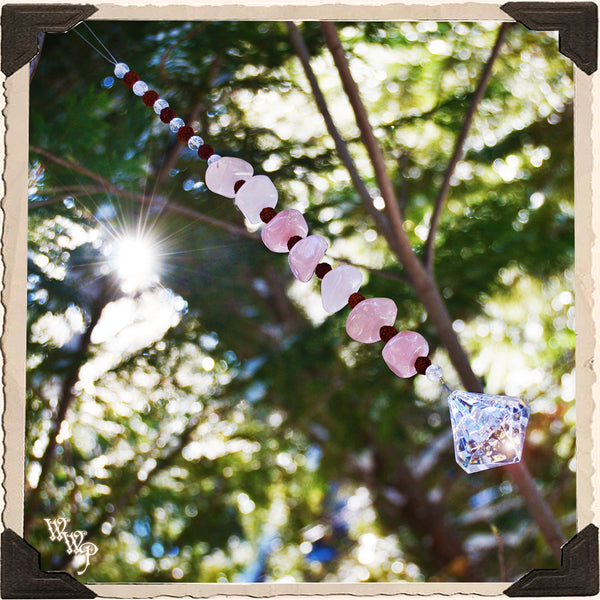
(112, 61)
(445, 386)
(93, 47)
(100, 42)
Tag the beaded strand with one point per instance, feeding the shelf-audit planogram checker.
(370, 320)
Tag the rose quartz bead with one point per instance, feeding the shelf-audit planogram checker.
(305, 255)
(402, 350)
(221, 176)
(257, 193)
(368, 317)
(288, 223)
(337, 285)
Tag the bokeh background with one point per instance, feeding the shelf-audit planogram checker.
(191, 406)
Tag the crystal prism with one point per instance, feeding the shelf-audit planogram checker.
(489, 431)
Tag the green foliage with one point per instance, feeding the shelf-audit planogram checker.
(220, 428)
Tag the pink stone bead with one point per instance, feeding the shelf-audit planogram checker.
(222, 175)
(257, 193)
(288, 223)
(368, 317)
(305, 255)
(338, 285)
(402, 350)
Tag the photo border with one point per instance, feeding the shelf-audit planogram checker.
(13, 219)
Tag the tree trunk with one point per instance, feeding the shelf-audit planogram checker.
(425, 286)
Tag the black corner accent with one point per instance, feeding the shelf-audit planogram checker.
(22, 576)
(21, 24)
(577, 576)
(576, 22)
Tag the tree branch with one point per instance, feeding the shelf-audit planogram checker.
(80, 190)
(402, 160)
(162, 71)
(414, 506)
(362, 119)
(500, 553)
(340, 144)
(109, 188)
(426, 289)
(538, 507)
(380, 272)
(460, 142)
(422, 281)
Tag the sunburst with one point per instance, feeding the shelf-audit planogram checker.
(136, 261)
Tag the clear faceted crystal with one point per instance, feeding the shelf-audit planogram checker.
(489, 431)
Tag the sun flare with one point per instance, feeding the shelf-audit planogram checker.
(136, 263)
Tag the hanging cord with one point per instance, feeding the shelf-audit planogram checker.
(108, 56)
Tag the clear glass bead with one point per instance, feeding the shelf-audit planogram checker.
(140, 88)
(195, 142)
(176, 124)
(434, 373)
(121, 69)
(159, 105)
(213, 159)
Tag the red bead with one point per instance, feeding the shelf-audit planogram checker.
(322, 270)
(150, 97)
(167, 114)
(293, 241)
(387, 332)
(237, 185)
(268, 213)
(354, 299)
(205, 151)
(421, 364)
(185, 133)
(130, 78)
